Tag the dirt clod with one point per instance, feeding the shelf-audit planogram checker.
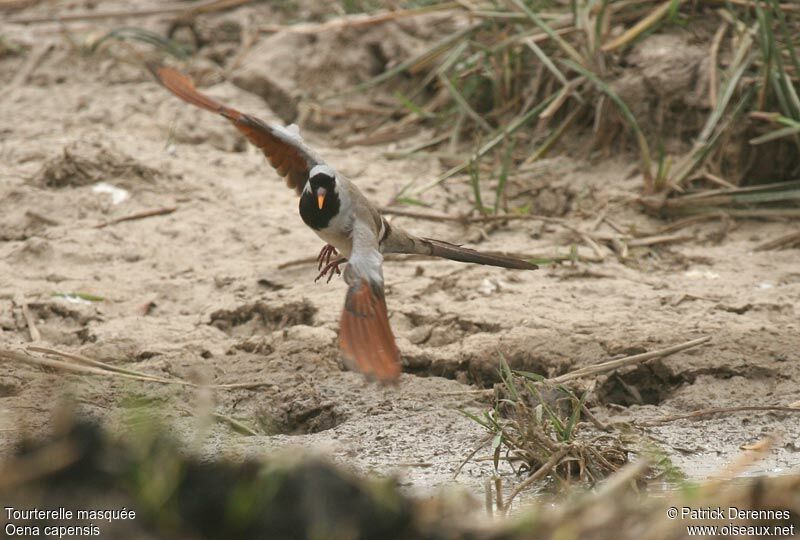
(298, 410)
(262, 317)
(83, 163)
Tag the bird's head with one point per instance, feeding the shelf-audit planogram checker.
(322, 185)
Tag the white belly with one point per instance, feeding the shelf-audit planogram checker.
(339, 231)
(338, 234)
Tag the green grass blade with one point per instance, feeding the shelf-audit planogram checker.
(791, 93)
(546, 61)
(475, 183)
(561, 42)
(770, 196)
(501, 182)
(643, 25)
(555, 135)
(132, 33)
(531, 375)
(82, 295)
(432, 52)
(704, 142)
(453, 57)
(487, 147)
(701, 149)
(508, 378)
(727, 94)
(780, 94)
(475, 418)
(462, 104)
(496, 441)
(787, 35)
(558, 425)
(598, 25)
(577, 406)
(644, 149)
(412, 107)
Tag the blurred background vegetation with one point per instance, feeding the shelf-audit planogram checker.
(702, 94)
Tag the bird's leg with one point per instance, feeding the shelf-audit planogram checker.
(330, 269)
(325, 255)
(326, 267)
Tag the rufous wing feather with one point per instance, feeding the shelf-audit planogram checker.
(286, 153)
(291, 163)
(365, 337)
(183, 87)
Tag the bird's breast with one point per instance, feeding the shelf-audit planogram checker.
(341, 241)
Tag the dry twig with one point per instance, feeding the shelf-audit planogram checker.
(430, 216)
(19, 300)
(31, 63)
(88, 366)
(628, 360)
(782, 242)
(357, 20)
(138, 215)
(10, 5)
(540, 473)
(181, 9)
(711, 411)
(23, 357)
(659, 239)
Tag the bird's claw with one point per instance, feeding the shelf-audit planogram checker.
(330, 269)
(325, 255)
(326, 266)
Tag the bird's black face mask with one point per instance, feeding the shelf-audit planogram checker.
(320, 203)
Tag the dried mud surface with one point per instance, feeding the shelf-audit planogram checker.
(202, 293)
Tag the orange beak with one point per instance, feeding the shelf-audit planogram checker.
(321, 192)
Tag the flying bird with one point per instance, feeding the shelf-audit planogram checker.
(353, 228)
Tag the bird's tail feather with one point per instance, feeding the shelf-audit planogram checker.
(365, 336)
(446, 250)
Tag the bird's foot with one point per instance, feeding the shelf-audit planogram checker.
(330, 269)
(325, 255)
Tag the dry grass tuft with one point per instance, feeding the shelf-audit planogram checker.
(542, 427)
(518, 78)
(544, 430)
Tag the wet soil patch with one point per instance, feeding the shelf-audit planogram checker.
(476, 362)
(293, 413)
(9, 387)
(647, 384)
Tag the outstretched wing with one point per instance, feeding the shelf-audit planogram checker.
(366, 340)
(284, 149)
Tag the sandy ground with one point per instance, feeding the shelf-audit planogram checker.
(201, 293)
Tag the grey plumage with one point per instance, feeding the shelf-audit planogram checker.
(350, 223)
